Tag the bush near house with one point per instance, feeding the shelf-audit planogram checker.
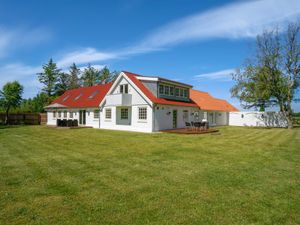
(91, 176)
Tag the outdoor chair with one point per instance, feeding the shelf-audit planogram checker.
(58, 122)
(197, 125)
(75, 123)
(188, 125)
(69, 123)
(202, 126)
(64, 123)
(193, 125)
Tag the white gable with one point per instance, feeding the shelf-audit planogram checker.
(137, 97)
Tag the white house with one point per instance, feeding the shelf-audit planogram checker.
(139, 103)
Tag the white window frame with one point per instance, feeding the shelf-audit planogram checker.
(54, 114)
(65, 114)
(142, 113)
(106, 114)
(124, 89)
(59, 114)
(161, 89)
(71, 115)
(167, 90)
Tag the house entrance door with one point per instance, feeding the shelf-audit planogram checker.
(82, 117)
(174, 118)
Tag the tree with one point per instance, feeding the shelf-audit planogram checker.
(63, 83)
(74, 76)
(10, 96)
(90, 76)
(107, 76)
(104, 75)
(49, 77)
(273, 76)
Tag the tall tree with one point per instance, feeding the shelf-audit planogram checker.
(74, 72)
(10, 96)
(104, 75)
(90, 76)
(49, 77)
(63, 83)
(273, 76)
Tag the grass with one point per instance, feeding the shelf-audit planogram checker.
(90, 176)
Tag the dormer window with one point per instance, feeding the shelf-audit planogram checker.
(172, 91)
(185, 93)
(176, 92)
(124, 88)
(167, 90)
(161, 89)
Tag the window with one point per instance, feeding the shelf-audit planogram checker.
(167, 90)
(65, 114)
(96, 114)
(185, 93)
(143, 113)
(107, 113)
(171, 90)
(71, 114)
(54, 114)
(65, 98)
(185, 115)
(124, 88)
(161, 89)
(59, 113)
(78, 97)
(124, 114)
(181, 92)
(94, 94)
(177, 92)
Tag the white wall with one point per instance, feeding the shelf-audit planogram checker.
(163, 116)
(133, 123)
(50, 119)
(257, 119)
(136, 125)
(90, 120)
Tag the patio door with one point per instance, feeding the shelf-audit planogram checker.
(174, 118)
(82, 117)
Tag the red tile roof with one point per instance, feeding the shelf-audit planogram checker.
(153, 98)
(82, 97)
(206, 102)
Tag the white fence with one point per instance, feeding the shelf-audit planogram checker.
(257, 119)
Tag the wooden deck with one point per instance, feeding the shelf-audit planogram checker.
(190, 131)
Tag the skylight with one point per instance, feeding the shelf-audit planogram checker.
(65, 98)
(94, 94)
(78, 97)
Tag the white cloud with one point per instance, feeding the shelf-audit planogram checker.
(238, 20)
(11, 39)
(233, 21)
(217, 75)
(26, 75)
(83, 56)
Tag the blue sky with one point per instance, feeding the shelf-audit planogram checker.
(196, 42)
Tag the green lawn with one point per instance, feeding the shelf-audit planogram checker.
(91, 176)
